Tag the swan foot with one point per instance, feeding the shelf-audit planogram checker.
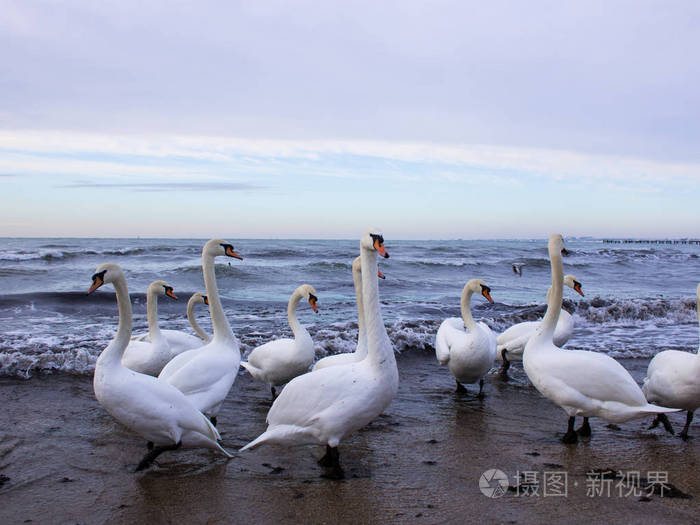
(585, 429)
(149, 458)
(331, 463)
(149, 445)
(460, 388)
(481, 394)
(663, 418)
(571, 436)
(503, 372)
(684, 433)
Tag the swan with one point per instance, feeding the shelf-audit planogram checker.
(673, 379)
(583, 383)
(179, 341)
(149, 355)
(279, 361)
(512, 341)
(361, 350)
(467, 348)
(206, 374)
(153, 409)
(324, 406)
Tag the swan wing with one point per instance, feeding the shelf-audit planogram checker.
(451, 331)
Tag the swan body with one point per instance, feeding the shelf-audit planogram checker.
(150, 356)
(673, 379)
(582, 383)
(206, 374)
(513, 340)
(279, 361)
(361, 350)
(467, 348)
(151, 408)
(324, 406)
(180, 341)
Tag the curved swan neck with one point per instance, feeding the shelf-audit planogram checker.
(292, 305)
(115, 350)
(219, 323)
(193, 321)
(698, 309)
(555, 294)
(361, 328)
(465, 306)
(379, 350)
(152, 314)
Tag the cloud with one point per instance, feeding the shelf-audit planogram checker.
(168, 186)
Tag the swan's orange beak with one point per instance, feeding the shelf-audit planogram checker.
(312, 302)
(169, 292)
(206, 300)
(486, 294)
(96, 283)
(229, 251)
(380, 274)
(379, 246)
(577, 287)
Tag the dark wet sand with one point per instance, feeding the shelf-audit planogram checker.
(68, 462)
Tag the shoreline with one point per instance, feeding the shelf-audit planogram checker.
(420, 462)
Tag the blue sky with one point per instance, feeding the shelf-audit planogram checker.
(438, 119)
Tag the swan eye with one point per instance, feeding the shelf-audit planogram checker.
(99, 275)
(377, 238)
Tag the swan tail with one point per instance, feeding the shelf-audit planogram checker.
(277, 434)
(248, 367)
(655, 409)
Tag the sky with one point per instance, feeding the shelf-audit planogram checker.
(296, 119)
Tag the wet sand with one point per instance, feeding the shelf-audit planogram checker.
(64, 460)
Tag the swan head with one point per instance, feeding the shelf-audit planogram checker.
(218, 247)
(480, 287)
(307, 291)
(373, 239)
(357, 268)
(198, 298)
(556, 244)
(161, 288)
(572, 282)
(104, 274)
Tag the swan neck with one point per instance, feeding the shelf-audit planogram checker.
(220, 325)
(465, 306)
(292, 314)
(379, 350)
(554, 297)
(193, 322)
(115, 350)
(152, 315)
(361, 328)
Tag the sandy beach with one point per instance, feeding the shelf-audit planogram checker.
(64, 460)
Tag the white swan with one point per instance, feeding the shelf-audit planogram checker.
(361, 350)
(512, 341)
(279, 361)
(206, 374)
(583, 383)
(179, 341)
(149, 355)
(467, 348)
(324, 406)
(673, 379)
(158, 412)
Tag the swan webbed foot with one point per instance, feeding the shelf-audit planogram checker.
(149, 445)
(460, 388)
(571, 436)
(585, 429)
(481, 394)
(684, 433)
(662, 418)
(331, 464)
(149, 458)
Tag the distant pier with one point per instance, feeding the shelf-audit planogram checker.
(652, 241)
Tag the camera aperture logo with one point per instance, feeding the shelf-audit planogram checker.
(493, 483)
